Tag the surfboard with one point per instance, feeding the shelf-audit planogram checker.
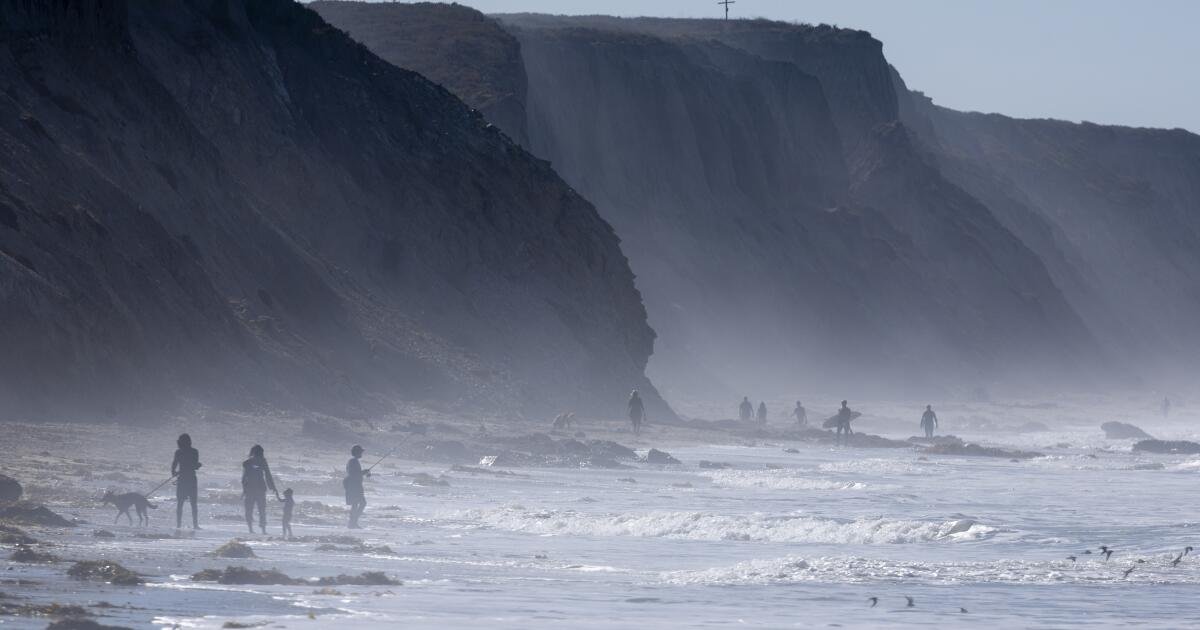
(831, 421)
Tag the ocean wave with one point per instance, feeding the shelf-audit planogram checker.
(844, 569)
(755, 527)
(783, 479)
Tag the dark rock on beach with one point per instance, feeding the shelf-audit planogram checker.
(233, 549)
(26, 513)
(975, 450)
(1167, 447)
(10, 489)
(655, 456)
(106, 571)
(1124, 431)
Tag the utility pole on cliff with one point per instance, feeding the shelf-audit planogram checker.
(727, 3)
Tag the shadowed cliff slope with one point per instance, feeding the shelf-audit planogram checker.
(236, 204)
(788, 230)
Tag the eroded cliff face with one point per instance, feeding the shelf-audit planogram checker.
(789, 230)
(235, 204)
(1112, 210)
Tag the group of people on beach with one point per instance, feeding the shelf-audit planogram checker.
(840, 421)
(256, 481)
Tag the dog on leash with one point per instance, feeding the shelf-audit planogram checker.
(564, 421)
(129, 500)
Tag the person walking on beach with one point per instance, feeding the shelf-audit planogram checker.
(289, 508)
(184, 467)
(844, 416)
(801, 415)
(929, 421)
(746, 409)
(356, 496)
(637, 412)
(256, 480)
(762, 413)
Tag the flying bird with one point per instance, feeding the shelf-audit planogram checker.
(1177, 560)
(1187, 550)
(963, 610)
(1107, 552)
(873, 600)
(1130, 570)
(1071, 558)
(910, 602)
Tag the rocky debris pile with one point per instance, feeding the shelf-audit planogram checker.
(10, 535)
(233, 549)
(27, 554)
(274, 577)
(75, 623)
(968, 449)
(655, 456)
(10, 489)
(26, 513)
(42, 610)
(1168, 447)
(540, 449)
(104, 570)
(1124, 431)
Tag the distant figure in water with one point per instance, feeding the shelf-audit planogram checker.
(256, 480)
(801, 414)
(746, 409)
(1166, 407)
(356, 497)
(184, 466)
(929, 421)
(843, 425)
(762, 413)
(637, 412)
(289, 506)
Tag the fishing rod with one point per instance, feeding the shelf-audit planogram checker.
(389, 453)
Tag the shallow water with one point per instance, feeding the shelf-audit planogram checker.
(777, 540)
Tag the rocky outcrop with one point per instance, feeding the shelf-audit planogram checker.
(10, 489)
(1168, 447)
(956, 446)
(236, 204)
(1124, 431)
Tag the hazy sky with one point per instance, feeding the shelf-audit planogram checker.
(1130, 62)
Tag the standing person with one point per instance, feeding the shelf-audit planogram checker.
(356, 497)
(637, 412)
(844, 416)
(801, 415)
(256, 480)
(746, 409)
(929, 421)
(762, 413)
(184, 466)
(289, 507)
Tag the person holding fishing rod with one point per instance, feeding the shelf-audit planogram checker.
(356, 497)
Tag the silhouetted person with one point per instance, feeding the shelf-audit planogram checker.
(929, 421)
(637, 411)
(801, 415)
(256, 480)
(762, 413)
(289, 505)
(1166, 407)
(843, 425)
(356, 497)
(746, 409)
(184, 466)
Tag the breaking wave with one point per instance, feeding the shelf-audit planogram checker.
(755, 527)
(779, 480)
(843, 569)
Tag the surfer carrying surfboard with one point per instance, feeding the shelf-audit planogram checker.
(844, 416)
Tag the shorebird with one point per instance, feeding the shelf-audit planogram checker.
(1130, 570)
(962, 610)
(873, 600)
(1071, 558)
(1187, 550)
(1107, 552)
(1087, 552)
(910, 602)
